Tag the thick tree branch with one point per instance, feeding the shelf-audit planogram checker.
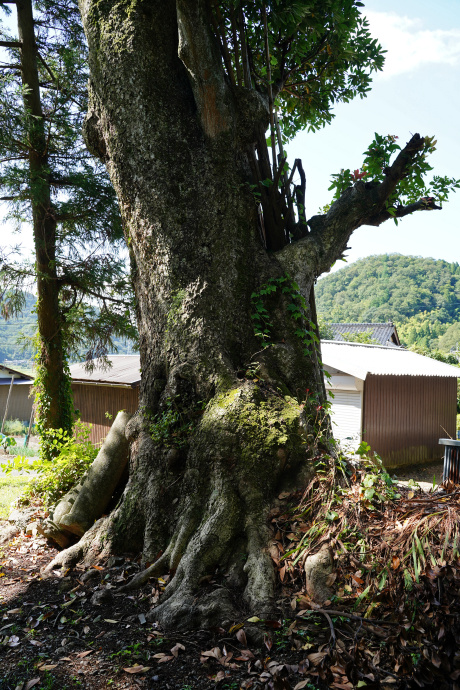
(198, 51)
(399, 167)
(362, 204)
(10, 44)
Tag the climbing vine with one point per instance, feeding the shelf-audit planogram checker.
(173, 426)
(49, 445)
(297, 309)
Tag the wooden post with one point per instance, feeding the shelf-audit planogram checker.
(26, 442)
(7, 403)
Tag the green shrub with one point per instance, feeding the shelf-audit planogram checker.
(57, 477)
(13, 427)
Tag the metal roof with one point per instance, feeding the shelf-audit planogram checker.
(124, 371)
(360, 360)
(383, 333)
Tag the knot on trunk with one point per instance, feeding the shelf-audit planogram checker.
(94, 139)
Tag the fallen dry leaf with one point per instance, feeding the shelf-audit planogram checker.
(235, 627)
(302, 684)
(137, 669)
(215, 652)
(316, 658)
(176, 648)
(241, 637)
(80, 655)
(161, 657)
(30, 683)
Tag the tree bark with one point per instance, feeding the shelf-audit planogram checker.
(223, 424)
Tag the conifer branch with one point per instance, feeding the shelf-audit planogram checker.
(10, 44)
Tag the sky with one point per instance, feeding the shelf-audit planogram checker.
(418, 91)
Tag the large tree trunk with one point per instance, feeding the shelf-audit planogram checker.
(223, 424)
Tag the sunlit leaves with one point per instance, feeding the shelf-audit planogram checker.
(320, 53)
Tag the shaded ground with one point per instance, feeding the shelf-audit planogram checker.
(75, 630)
(424, 475)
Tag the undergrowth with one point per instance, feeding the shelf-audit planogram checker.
(55, 478)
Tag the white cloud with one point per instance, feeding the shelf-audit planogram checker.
(409, 45)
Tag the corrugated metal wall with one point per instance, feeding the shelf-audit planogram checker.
(94, 401)
(20, 405)
(404, 415)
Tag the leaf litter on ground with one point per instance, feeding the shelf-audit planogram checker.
(393, 621)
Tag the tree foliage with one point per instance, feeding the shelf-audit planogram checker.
(88, 231)
(50, 181)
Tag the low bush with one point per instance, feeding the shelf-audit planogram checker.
(14, 427)
(57, 477)
(22, 451)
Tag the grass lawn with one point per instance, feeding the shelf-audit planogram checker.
(10, 488)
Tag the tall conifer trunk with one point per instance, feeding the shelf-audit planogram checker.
(54, 396)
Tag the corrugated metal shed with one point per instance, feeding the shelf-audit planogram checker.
(383, 333)
(360, 360)
(124, 371)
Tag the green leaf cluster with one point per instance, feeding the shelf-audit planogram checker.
(321, 53)
(73, 459)
(411, 189)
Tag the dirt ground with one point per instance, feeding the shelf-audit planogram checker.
(424, 475)
(77, 630)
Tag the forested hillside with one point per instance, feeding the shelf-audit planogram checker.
(18, 331)
(421, 296)
(11, 330)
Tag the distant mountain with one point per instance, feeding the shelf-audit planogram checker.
(24, 327)
(421, 296)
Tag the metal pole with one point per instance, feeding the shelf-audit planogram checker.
(7, 403)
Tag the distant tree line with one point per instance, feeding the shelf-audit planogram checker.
(420, 295)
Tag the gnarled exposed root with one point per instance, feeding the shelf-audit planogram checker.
(91, 547)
